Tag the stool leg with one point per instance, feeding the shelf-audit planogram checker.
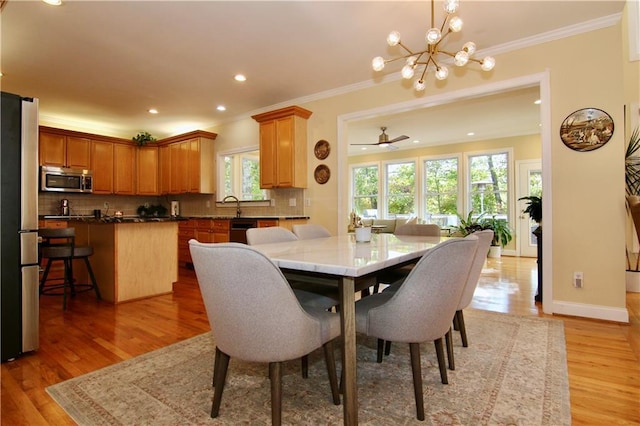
(45, 275)
(93, 278)
(68, 281)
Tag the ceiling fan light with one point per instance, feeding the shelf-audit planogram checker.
(407, 72)
(419, 85)
(461, 58)
(442, 73)
(377, 63)
(451, 6)
(383, 145)
(433, 36)
(469, 47)
(488, 63)
(455, 24)
(393, 38)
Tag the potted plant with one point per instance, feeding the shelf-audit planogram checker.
(534, 208)
(632, 184)
(501, 234)
(143, 138)
(468, 225)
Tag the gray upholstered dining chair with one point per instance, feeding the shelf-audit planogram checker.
(422, 308)
(240, 288)
(484, 242)
(310, 230)
(272, 234)
(311, 291)
(396, 277)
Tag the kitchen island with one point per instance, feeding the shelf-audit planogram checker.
(131, 260)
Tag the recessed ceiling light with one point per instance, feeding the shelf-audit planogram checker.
(538, 102)
(470, 134)
(1, 74)
(221, 108)
(240, 77)
(153, 111)
(416, 141)
(364, 148)
(53, 2)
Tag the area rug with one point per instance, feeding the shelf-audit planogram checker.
(514, 372)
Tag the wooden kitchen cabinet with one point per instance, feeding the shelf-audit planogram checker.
(262, 223)
(190, 162)
(221, 230)
(58, 149)
(283, 147)
(186, 231)
(164, 169)
(102, 166)
(147, 164)
(124, 164)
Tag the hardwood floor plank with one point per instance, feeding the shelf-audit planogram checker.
(603, 358)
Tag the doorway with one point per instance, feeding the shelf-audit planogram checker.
(529, 183)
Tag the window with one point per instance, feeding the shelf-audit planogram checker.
(441, 191)
(365, 186)
(400, 195)
(241, 173)
(489, 184)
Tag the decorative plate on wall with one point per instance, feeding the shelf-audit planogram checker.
(322, 174)
(322, 149)
(586, 129)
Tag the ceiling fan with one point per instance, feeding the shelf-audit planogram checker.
(383, 139)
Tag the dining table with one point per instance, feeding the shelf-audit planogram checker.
(354, 266)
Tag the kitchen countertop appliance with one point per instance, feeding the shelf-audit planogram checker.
(19, 225)
(64, 207)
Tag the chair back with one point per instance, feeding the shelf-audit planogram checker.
(310, 230)
(253, 312)
(426, 230)
(272, 234)
(484, 242)
(422, 308)
(57, 242)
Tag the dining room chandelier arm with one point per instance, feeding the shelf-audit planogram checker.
(434, 37)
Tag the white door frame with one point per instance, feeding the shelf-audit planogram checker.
(525, 247)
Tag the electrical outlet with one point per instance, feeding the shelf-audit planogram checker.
(307, 202)
(577, 279)
(273, 202)
(106, 205)
(292, 202)
(208, 204)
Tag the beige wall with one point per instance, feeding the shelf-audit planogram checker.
(586, 191)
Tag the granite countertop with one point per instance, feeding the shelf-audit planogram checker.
(248, 217)
(114, 219)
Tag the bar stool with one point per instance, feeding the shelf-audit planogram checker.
(58, 244)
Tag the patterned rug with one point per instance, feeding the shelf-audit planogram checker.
(514, 372)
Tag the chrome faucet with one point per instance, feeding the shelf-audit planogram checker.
(233, 197)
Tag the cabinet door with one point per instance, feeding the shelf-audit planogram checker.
(102, 166)
(268, 156)
(194, 166)
(285, 152)
(165, 169)
(267, 223)
(147, 170)
(78, 153)
(179, 172)
(52, 149)
(124, 166)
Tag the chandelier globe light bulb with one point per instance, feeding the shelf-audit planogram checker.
(451, 6)
(419, 85)
(461, 58)
(455, 24)
(469, 47)
(433, 36)
(488, 63)
(442, 73)
(411, 60)
(393, 38)
(378, 63)
(407, 72)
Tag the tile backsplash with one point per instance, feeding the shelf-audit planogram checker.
(190, 204)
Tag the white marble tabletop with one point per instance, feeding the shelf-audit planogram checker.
(341, 255)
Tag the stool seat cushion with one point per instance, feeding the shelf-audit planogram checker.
(82, 251)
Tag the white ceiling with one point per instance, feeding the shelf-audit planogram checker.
(100, 65)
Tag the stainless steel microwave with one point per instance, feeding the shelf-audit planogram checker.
(62, 179)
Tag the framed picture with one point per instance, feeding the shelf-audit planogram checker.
(586, 129)
(322, 149)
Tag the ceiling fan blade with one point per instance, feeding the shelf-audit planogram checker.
(398, 139)
(365, 144)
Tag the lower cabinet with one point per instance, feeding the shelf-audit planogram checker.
(186, 232)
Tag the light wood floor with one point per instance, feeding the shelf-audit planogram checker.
(603, 357)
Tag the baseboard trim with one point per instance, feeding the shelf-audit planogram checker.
(591, 311)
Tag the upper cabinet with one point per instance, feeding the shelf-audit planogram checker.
(124, 165)
(187, 164)
(148, 162)
(102, 166)
(283, 147)
(58, 149)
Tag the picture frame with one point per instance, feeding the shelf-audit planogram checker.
(586, 129)
(322, 174)
(322, 149)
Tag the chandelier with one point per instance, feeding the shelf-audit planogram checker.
(429, 56)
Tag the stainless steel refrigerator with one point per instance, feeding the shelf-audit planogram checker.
(18, 225)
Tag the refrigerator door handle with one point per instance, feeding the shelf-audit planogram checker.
(28, 248)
